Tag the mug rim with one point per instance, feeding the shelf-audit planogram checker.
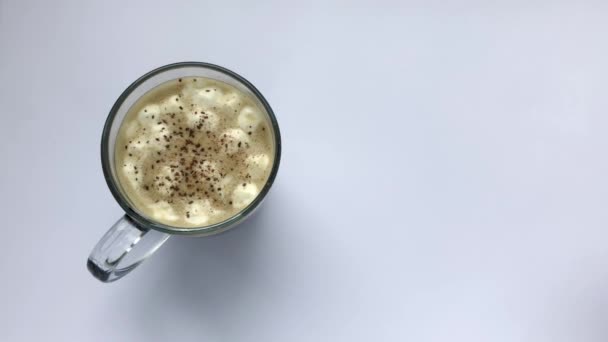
(203, 230)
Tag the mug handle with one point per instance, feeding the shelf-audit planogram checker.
(123, 248)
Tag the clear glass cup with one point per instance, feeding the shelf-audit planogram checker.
(135, 237)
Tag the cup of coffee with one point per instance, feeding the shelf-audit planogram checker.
(189, 149)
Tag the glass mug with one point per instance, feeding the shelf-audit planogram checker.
(135, 237)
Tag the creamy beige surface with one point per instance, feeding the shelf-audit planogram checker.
(193, 152)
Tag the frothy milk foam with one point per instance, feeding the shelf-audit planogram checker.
(193, 152)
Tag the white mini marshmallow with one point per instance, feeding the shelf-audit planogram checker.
(171, 104)
(198, 212)
(193, 118)
(131, 129)
(232, 102)
(257, 165)
(207, 97)
(158, 130)
(249, 118)
(210, 120)
(161, 178)
(210, 170)
(138, 144)
(210, 165)
(191, 88)
(207, 118)
(129, 168)
(148, 139)
(148, 115)
(163, 211)
(242, 196)
(225, 184)
(216, 213)
(233, 137)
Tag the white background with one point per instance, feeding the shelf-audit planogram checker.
(443, 174)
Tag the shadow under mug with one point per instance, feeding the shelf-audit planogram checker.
(135, 236)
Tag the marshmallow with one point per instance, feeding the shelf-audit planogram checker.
(163, 211)
(191, 88)
(257, 165)
(207, 118)
(232, 138)
(129, 168)
(162, 175)
(193, 118)
(232, 102)
(146, 114)
(131, 129)
(225, 183)
(209, 165)
(157, 131)
(138, 144)
(217, 213)
(210, 120)
(242, 196)
(249, 118)
(207, 97)
(171, 104)
(197, 213)
(210, 170)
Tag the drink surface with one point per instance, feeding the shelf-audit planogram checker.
(194, 152)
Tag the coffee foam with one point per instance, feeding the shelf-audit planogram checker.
(194, 152)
